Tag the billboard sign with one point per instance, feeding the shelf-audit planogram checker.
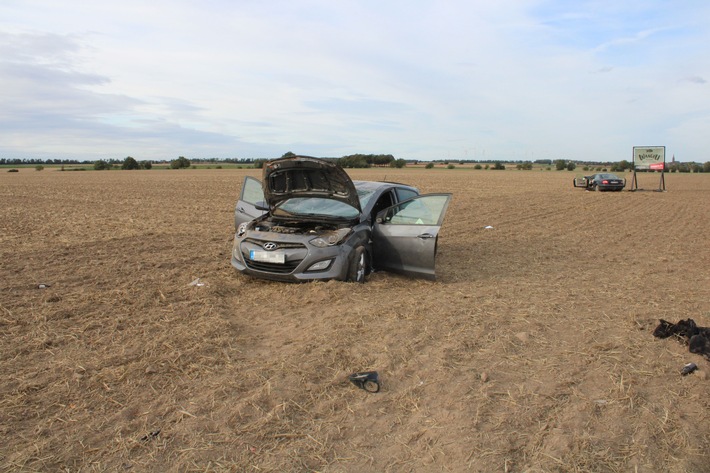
(650, 157)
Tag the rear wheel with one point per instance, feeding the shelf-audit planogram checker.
(358, 266)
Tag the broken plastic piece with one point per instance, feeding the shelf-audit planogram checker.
(367, 380)
(488, 227)
(150, 435)
(689, 368)
(43, 286)
(197, 283)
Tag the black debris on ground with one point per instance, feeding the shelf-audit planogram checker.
(697, 338)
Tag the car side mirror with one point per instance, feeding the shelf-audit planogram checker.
(261, 205)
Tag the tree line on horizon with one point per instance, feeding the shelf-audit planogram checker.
(353, 161)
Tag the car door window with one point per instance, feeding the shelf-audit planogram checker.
(424, 210)
(252, 192)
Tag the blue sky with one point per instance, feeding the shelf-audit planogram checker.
(456, 79)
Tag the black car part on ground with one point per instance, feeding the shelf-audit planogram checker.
(697, 338)
(367, 380)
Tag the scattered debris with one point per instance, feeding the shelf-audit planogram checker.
(697, 338)
(197, 283)
(150, 435)
(488, 227)
(484, 377)
(689, 368)
(43, 286)
(367, 380)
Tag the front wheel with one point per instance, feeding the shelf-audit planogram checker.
(358, 266)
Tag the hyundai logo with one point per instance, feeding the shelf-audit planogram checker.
(270, 246)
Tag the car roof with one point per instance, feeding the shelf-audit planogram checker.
(375, 185)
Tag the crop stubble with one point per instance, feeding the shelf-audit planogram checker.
(532, 352)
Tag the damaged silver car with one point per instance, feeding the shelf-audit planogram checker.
(307, 220)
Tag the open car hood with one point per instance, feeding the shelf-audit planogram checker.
(303, 176)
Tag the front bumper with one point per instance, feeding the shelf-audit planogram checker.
(299, 258)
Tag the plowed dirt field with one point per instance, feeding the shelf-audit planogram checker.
(532, 352)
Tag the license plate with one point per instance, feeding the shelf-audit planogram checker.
(267, 256)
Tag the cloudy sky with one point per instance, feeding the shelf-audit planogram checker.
(439, 79)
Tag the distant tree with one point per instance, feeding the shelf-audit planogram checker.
(288, 154)
(259, 163)
(39, 167)
(398, 163)
(526, 166)
(498, 166)
(560, 164)
(180, 163)
(146, 165)
(571, 166)
(101, 165)
(706, 167)
(431, 165)
(380, 159)
(355, 161)
(130, 163)
(477, 166)
(450, 166)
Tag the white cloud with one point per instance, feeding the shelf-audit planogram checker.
(422, 79)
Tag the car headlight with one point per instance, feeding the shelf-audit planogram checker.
(242, 229)
(331, 238)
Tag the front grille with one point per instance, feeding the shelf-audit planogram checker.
(295, 252)
(281, 244)
(285, 268)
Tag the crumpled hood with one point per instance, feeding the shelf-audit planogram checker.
(303, 176)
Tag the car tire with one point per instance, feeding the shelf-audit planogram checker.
(358, 266)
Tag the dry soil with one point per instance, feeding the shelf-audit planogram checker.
(532, 352)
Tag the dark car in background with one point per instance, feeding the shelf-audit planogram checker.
(308, 220)
(601, 182)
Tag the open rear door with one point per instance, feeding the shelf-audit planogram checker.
(404, 236)
(250, 203)
(581, 182)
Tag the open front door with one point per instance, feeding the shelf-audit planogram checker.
(251, 198)
(404, 236)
